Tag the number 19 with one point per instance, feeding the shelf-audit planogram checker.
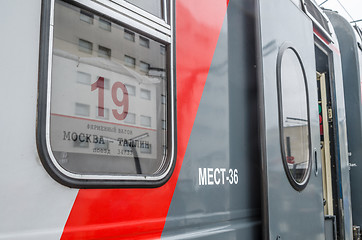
(120, 103)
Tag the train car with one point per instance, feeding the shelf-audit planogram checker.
(178, 119)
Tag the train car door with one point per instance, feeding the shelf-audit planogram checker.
(289, 130)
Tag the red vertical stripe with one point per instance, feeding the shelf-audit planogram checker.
(141, 213)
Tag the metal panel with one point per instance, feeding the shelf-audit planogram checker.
(352, 95)
(32, 205)
(288, 213)
(224, 135)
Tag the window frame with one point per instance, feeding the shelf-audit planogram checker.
(296, 185)
(139, 22)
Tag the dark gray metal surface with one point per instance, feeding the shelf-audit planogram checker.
(288, 214)
(352, 94)
(224, 135)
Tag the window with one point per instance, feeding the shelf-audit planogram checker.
(104, 52)
(144, 42)
(145, 121)
(93, 129)
(294, 117)
(129, 35)
(162, 50)
(81, 109)
(152, 6)
(130, 61)
(105, 24)
(131, 118)
(86, 16)
(146, 94)
(144, 67)
(131, 90)
(84, 78)
(85, 46)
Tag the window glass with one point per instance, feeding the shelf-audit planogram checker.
(96, 128)
(129, 35)
(145, 121)
(146, 94)
(84, 78)
(144, 67)
(85, 46)
(152, 6)
(130, 61)
(104, 52)
(105, 24)
(131, 90)
(294, 117)
(86, 16)
(162, 50)
(131, 118)
(144, 42)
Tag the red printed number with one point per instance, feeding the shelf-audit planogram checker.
(118, 102)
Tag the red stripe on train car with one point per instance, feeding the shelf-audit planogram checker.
(141, 213)
(329, 44)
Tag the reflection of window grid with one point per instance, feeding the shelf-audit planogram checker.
(104, 52)
(105, 111)
(131, 118)
(162, 50)
(86, 16)
(82, 109)
(145, 121)
(130, 61)
(144, 42)
(144, 66)
(129, 35)
(131, 90)
(105, 24)
(146, 94)
(84, 78)
(164, 126)
(85, 46)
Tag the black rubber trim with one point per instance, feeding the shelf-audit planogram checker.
(297, 186)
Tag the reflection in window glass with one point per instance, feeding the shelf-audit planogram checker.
(144, 67)
(129, 35)
(104, 52)
(131, 118)
(105, 112)
(152, 6)
(82, 109)
(84, 78)
(295, 121)
(85, 46)
(145, 94)
(145, 121)
(131, 90)
(96, 127)
(130, 61)
(162, 50)
(144, 42)
(86, 16)
(105, 24)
